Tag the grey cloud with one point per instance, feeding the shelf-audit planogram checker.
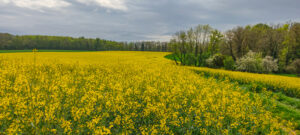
(143, 19)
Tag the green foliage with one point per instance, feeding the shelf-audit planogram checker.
(282, 59)
(172, 57)
(191, 46)
(229, 63)
(294, 67)
(215, 41)
(58, 43)
(28, 42)
(216, 61)
(198, 46)
(287, 106)
(202, 59)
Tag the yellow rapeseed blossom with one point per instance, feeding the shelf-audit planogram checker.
(288, 85)
(122, 93)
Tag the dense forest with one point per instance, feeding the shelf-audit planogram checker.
(12, 42)
(146, 46)
(260, 48)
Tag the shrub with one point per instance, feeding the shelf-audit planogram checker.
(269, 64)
(229, 63)
(216, 61)
(294, 67)
(209, 62)
(190, 59)
(202, 59)
(251, 62)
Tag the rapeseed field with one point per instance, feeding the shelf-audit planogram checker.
(123, 93)
(287, 85)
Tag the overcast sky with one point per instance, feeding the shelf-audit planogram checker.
(131, 20)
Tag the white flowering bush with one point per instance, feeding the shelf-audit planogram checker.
(251, 62)
(210, 62)
(269, 64)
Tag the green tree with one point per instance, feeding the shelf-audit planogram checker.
(215, 40)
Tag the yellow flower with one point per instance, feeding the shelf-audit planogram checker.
(122, 92)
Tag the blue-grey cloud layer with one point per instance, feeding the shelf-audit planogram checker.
(129, 20)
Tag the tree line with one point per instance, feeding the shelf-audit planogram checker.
(146, 46)
(15, 42)
(252, 48)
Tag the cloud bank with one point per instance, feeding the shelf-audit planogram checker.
(36, 4)
(113, 4)
(133, 20)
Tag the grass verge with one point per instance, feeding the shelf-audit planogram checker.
(287, 108)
